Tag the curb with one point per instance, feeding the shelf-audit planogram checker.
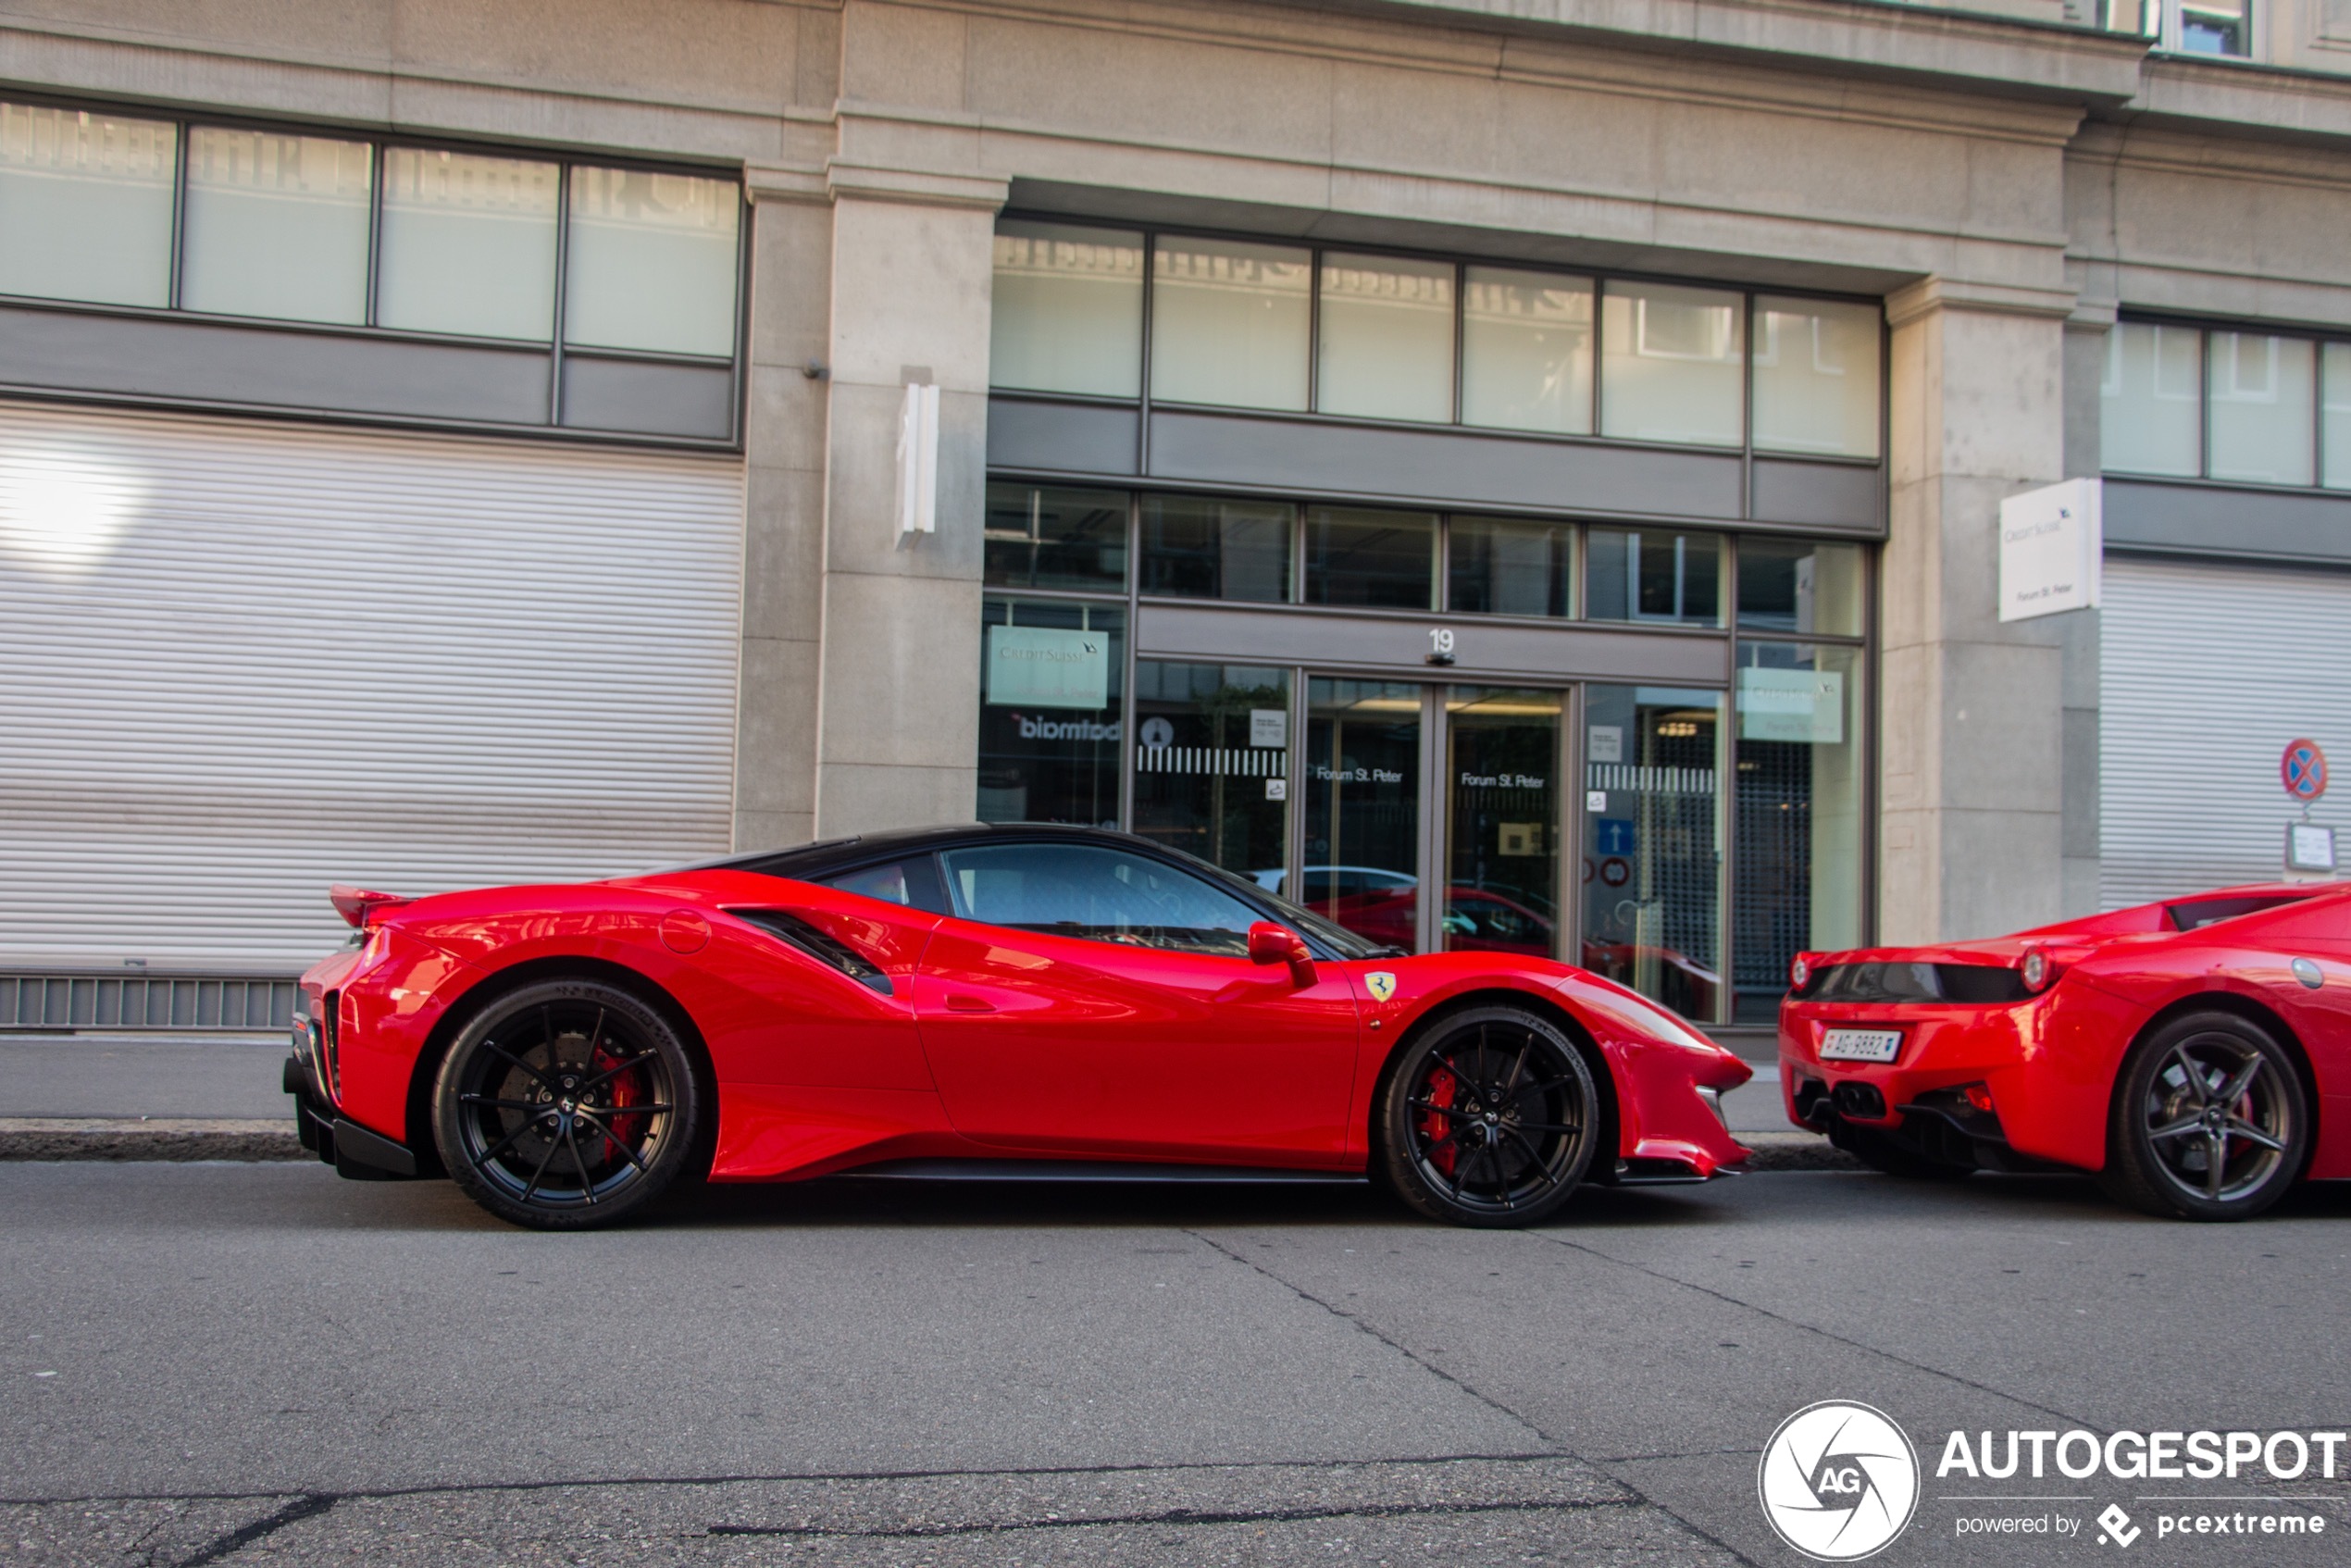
(126, 1137)
(1771, 1152)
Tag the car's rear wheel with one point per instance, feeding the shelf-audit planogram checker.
(567, 1104)
(1488, 1119)
(2209, 1121)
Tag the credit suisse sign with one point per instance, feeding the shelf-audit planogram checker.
(2052, 544)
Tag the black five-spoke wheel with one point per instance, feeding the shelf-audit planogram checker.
(1488, 1119)
(2209, 1121)
(566, 1105)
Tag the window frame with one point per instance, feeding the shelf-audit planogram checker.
(2205, 328)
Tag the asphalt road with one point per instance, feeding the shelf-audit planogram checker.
(254, 1363)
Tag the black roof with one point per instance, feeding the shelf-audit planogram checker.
(828, 856)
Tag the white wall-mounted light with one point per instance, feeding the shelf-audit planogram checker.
(918, 461)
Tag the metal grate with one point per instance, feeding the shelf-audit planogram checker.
(144, 1002)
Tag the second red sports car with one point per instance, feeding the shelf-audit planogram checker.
(951, 999)
(2196, 1053)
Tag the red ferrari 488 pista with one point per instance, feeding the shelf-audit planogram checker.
(948, 999)
(2195, 1054)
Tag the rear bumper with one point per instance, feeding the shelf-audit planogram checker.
(355, 1152)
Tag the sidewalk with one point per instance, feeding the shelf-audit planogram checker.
(93, 1096)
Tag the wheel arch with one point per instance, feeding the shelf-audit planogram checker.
(1546, 1007)
(485, 991)
(2238, 1005)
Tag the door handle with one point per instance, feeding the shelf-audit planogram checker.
(958, 1003)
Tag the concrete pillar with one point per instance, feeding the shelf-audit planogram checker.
(1970, 841)
(2086, 348)
(898, 682)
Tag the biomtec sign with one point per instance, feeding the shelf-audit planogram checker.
(2051, 547)
(1035, 667)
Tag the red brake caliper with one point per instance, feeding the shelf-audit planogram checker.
(1434, 1123)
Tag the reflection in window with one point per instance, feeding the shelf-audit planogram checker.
(1096, 894)
(468, 245)
(277, 226)
(1800, 798)
(1527, 351)
(1201, 547)
(1672, 364)
(1361, 848)
(1229, 322)
(2151, 399)
(1051, 690)
(1501, 773)
(2262, 430)
(1042, 537)
(1816, 377)
(1212, 763)
(1800, 585)
(1652, 836)
(1500, 568)
(2334, 416)
(1654, 575)
(1387, 338)
(1068, 309)
(1373, 559)
(85, 205)
(650, 261)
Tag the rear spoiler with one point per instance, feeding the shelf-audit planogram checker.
(357, 904)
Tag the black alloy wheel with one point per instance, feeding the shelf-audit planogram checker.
(565, 1105)
(2209, 1121)
(1488, 1119)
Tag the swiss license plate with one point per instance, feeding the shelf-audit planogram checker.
(1860, 1045)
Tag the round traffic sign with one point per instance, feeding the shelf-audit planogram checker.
(2303, 770)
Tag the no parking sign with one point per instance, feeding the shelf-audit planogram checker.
(2303, 770)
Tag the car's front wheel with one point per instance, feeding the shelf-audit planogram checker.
(567, 1104)
(2209, 1121)
(1488, 1119)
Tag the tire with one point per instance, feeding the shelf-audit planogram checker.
(1488, 1118)
(567, 1105)
(1881, 1152)
(2206, 1085)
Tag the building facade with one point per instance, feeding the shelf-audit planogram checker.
(1522, 475)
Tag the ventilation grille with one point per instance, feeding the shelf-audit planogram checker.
(145, 1002)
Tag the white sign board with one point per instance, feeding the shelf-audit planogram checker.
(1269, 727)
(2310, 847)
(2052, 545)
(1792, 704)
(1607, 743)
(1035, 667)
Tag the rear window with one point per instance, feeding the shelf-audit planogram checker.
(2196, 913)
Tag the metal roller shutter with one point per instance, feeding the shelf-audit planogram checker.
(239, 662)
(2207, 672)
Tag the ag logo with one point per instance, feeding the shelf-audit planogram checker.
(1839, 1480)
(1381, 984)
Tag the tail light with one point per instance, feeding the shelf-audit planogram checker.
(1799, 970)
(1979, 1096)
(2038, 970)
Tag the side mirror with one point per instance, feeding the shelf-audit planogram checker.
(1269, 943)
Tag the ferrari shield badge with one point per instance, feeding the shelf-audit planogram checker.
(1381, 984)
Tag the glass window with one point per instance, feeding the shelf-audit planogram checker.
(1800, 793)
(913, 883)
(1038, 537)
(1199, 547)
(1361, 848)
(1672, 364)
(85, 205)
(1229, 322)
(1653, 575)
(1800, 585)
(1527, 351)
(468, 245)
(2335, 416)
(1098, 894)
(1382, 560)
(2215, 27)
(2151, 400)
(1051, 694)
(2263, 432)
(1068, 310)
(277, 226)
(1386, 344)
(650, 261)
(1500, 567)
(1652, 843)
(1212, 763)
(1501, 887)
(1816, 377)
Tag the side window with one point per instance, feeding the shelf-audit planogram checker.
(912, 882)
(1098, 893)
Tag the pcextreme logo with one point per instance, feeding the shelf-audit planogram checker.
(1839, 1480)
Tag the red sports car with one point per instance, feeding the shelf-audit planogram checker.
(2195, 1054)
(916, 1002)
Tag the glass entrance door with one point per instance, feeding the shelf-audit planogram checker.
(1652, 869)
(1360, 850)
(1503, 820)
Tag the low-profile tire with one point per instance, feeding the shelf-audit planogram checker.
(1489, 1118)
(2209, 1121)
(567, 1104)
(1882, 1152)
